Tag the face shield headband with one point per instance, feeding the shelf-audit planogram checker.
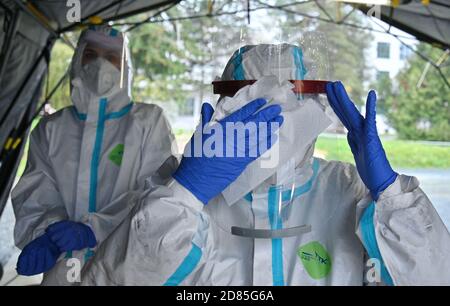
(230, 88)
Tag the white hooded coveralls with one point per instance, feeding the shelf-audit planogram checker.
(91, 161)
(171, 238)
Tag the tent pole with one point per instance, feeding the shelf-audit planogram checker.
(39, 19)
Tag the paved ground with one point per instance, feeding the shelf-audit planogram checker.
(7, 221)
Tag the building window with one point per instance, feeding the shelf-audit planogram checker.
(404, 52)
(383, 50)
(382, 75)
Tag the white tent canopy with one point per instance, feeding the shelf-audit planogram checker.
(427, 22)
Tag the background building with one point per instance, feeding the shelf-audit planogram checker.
(387, 55)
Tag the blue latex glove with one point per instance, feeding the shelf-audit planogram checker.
(71, 236)
(371, 162)
(38, 256)
(206, 176)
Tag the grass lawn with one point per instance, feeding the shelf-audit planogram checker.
(23, 161)
(401, 154)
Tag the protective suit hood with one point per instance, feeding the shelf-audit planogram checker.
(252, 62)
(99, 79)
(272, 66)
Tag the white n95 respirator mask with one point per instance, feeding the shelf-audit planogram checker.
(101, 77)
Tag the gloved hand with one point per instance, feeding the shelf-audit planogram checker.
(71, 236)
(371, 162)
(207, 176)
(38, 256)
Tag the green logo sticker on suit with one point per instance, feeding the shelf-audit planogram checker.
(116, 154)
(315, 259)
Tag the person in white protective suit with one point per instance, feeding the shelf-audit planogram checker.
(88, 162)
(339, 225)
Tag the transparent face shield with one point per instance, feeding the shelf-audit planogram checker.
(108, 47)
(116, 53)
(289, 68)
(304, 62)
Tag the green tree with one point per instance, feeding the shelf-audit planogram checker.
(60, 61)
(424, 112)
(172, 59)
(158, 64)
(383, 86)
(175, 60)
